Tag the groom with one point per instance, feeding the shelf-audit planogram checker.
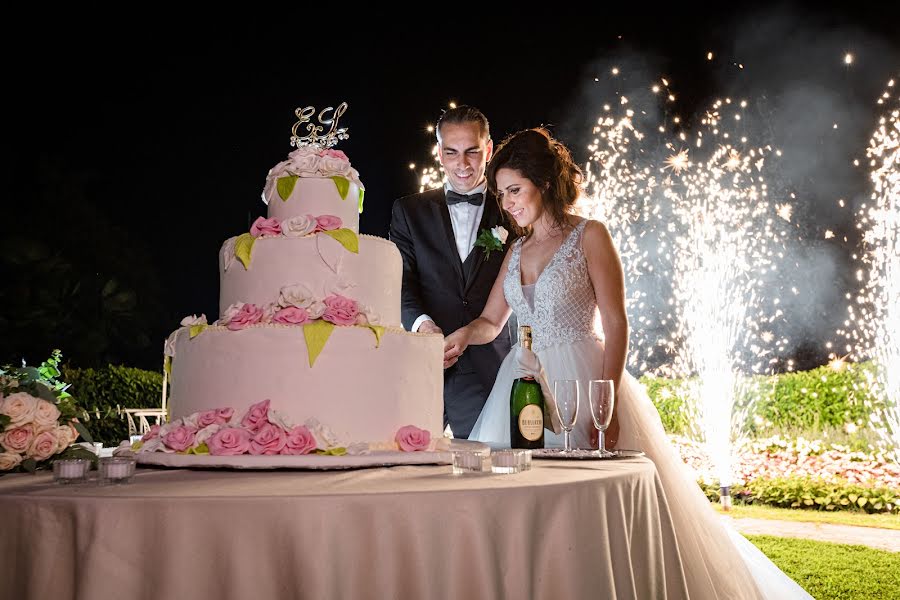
(446, 277)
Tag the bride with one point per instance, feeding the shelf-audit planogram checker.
(561, 271)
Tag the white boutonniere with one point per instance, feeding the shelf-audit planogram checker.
(492, 239)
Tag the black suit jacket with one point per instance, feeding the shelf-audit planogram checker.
(436, 282)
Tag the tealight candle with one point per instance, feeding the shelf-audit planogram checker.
(116, 469)
(70, 470)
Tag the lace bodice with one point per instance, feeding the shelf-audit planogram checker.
(564, 304)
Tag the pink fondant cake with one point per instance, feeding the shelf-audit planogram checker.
(309, 321)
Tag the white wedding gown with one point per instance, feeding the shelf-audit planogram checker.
(561, 308)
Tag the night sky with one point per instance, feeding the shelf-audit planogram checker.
(165, 136)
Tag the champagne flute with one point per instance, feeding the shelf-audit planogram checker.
(567, 394)
(601, 397)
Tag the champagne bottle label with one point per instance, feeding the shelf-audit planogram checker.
(531, 422)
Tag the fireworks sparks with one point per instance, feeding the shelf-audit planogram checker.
(785, 211)
(697, 238)
(873, 325)
(678, 161)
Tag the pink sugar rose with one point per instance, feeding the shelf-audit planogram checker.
(43, 446)
(327, 223)
(257, 416)
(19, 407)
(340, 310)
(206, 418)
(229, 441)
(18, 439)
(45, 414)
(335, 154)
(153, 432)
(249, 314)
(218, 416)
(270, 439)
(411, 439)
(180, 438)
(299, 441)
(265, 227)
(292, 315)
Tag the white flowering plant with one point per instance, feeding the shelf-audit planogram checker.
(38, 418)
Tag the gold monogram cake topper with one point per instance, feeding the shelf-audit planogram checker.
(313, 137)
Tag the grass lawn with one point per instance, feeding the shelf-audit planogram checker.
(841, 517)
(835, 571)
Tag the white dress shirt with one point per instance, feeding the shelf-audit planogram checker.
(465, 219)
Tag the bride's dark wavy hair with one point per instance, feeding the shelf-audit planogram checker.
(547, 163)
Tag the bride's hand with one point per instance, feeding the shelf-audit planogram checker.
(454, 345)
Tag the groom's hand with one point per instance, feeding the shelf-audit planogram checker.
(451, 354)
(454, 345)
(429, 327)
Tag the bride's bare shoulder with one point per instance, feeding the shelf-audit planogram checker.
(595, 230)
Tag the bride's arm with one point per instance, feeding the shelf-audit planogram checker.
(486, 327)
(605, 270)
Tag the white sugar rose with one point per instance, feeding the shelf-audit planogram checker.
(340, 287)
(325, 437)
(229, 313)
(500, 233)
(192, 320)
(276, 418)
(9, 460)
(298, 226)
(206, 433)
(19, 407)
(358, 449)
(367, 316)
(45, 414)
(300, 296)
(167, 427)
(189, 420)
(331, 165)
(169, 346)
(302, 161)
(228, 252)
(268, 312)
(154, 445)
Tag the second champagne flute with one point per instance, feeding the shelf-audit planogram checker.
(567, 394)
(600, 396)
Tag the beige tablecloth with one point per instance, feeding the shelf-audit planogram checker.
(597, 529)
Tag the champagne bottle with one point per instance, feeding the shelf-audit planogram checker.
(526, 406)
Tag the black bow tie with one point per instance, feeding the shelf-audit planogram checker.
(455, 198)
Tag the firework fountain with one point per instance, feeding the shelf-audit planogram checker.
(698, 231)
(874, 325)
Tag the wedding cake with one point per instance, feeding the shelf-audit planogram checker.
(308, 339)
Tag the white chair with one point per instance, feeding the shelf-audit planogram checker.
(142, 415)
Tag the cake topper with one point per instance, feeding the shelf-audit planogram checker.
(314, 139)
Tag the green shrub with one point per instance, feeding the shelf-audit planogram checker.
(812, 494)
(804, 403)
(820, 398)
(104, 393)
(669, 396)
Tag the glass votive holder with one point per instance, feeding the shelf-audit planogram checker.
(525, 460)
(468, 461)
(71, 470)
(508, 461)
(116, 469)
